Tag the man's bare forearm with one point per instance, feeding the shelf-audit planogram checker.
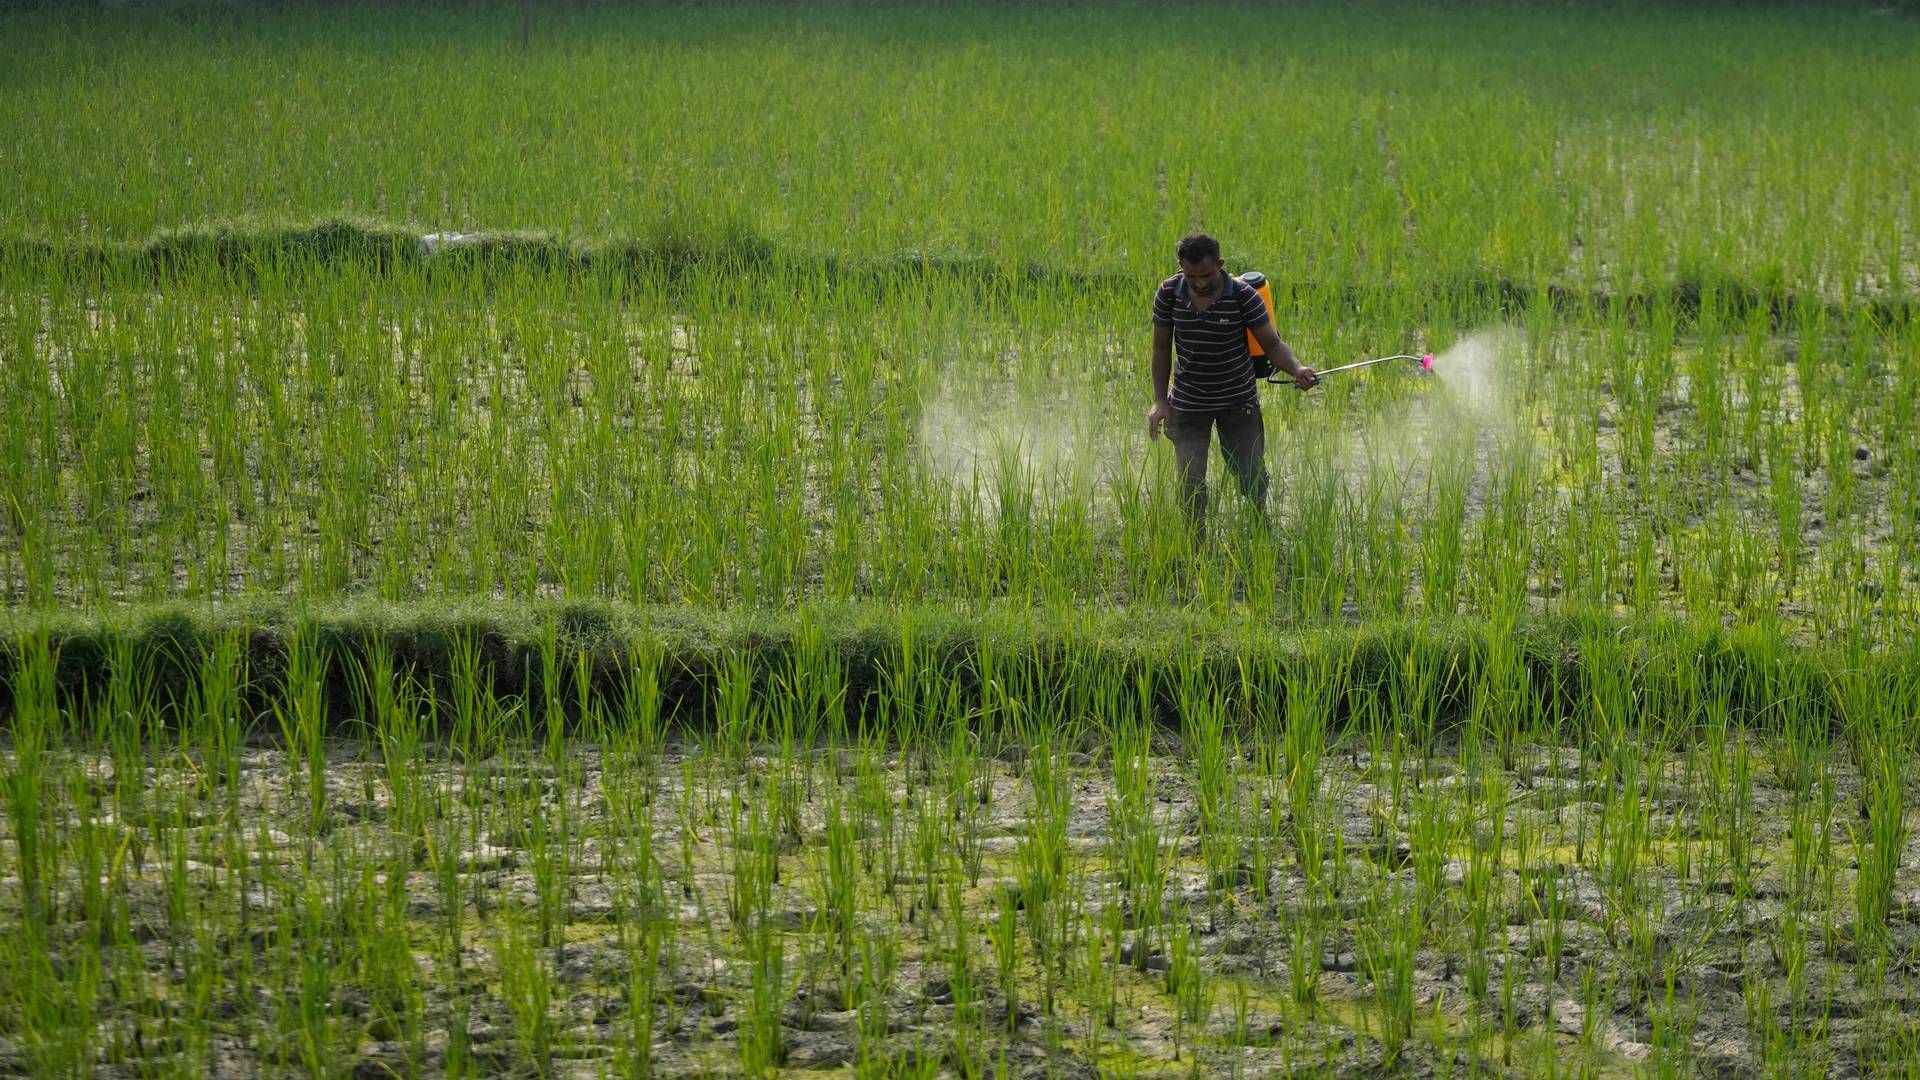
(1162, 373)
(1283, 357)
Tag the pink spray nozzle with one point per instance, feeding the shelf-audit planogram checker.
(1426, 362)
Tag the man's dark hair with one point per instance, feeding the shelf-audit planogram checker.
(1198, 247)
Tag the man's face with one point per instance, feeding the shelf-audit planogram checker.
(1203, 277)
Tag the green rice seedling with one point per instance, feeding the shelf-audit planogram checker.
(1042, 854)
(1388, 941)
(1187, 984)
(1006, 954)
(1318, 576)
(1138, 844)
(881, 852)
(737, 713)
(1412, 698)
(1784, 480)
(1453, 231)
(1757, 995)
(309, 1025)
(816, 682)
(1736, 803)
(1789, 947)
(445, 841)
(1309, 697)
(589, 706)
(553, 699)
(397, 1011)
(1204, 720)
(879, 960)
(528, 989)
(1511, 973)
(961, 978)
(839, 901)
(1883, 840)
(1257, 560)
(1435, 832)
(129, 706)
(1610, 712)
(931, 831)
(1269, 821)
(997, 709)
(1015, 501)
(1880, 742)
(36, 725)
(1800, 744)
(1673, 1021)
(393, 716)
(179, 897)
(1053, 927)
(131, 702)
(1100, 940)
(301, 714)
(905, 699)
(1242, 1031)
(1625, 826)
(1307, 937)
(570, 436)
(635, 738)
(214, 711)
(476, 709)
(96, 858)
(1500, 707)
(51, 1010)
(1506, 528)
(58, 1014)
(1483, 880)
(1382, 567)
(756, 868)
(643, 940)
(550, 856)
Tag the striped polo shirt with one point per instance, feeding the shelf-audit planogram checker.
(1212, 368)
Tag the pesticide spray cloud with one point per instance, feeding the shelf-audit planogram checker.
(1467, 372)
(1080, 438)
(992, 443)
(1474, 411)
(1403, 440)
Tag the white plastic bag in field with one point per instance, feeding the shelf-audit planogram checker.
(433, 243)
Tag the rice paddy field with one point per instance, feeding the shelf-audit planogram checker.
(588, 542)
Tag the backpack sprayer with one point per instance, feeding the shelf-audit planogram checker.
(1263, 365)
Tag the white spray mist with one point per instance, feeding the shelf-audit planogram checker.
(1054, 444)
(972, 437)
(1403, 437)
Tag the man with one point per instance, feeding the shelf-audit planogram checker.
(1208, 314)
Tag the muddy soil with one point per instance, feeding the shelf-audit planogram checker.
(576, 911)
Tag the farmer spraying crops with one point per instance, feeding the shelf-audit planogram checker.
(1215, 320)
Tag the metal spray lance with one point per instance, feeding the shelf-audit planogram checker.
(1425, 361)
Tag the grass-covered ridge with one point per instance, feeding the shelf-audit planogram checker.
(1541, 674)
(244, 251)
